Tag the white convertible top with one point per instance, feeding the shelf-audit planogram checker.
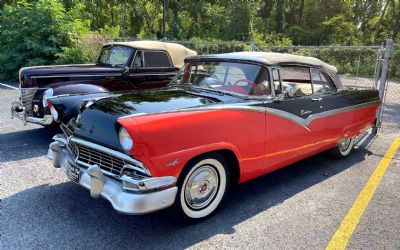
(272, 58)
(176, 51)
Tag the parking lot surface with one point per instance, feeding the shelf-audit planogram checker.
(298, 207)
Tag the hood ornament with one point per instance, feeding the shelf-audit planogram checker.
(86, 103)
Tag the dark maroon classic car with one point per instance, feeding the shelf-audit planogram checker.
(121, 66)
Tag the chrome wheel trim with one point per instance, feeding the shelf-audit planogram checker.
(201, 187)
(345, 146)
(212, 203)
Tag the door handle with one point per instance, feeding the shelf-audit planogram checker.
(316, 99)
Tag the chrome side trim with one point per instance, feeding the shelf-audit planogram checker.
(142, 168)
(286, 115)
(79, 94)
(239, 106)
(57, 66)
(313, 117)
(151, 74)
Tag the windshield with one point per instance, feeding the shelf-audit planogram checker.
(240, 78)
(115, 56)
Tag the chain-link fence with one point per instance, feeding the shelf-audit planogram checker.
(217, 47)
(391, 99)
(357, 65)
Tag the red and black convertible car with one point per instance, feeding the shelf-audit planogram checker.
(224, 119)
(120, 66)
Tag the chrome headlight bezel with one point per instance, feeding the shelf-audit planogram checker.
(125, 140)
(46, 95)
(54, 113)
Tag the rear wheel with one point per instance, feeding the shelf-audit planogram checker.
(344, 148)
(201, 188)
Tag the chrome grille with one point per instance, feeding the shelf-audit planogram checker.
(26, 98)
(109, 163)
(106, 162)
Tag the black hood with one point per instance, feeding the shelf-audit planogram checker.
(151, 102)
(98, 122)
(67, 69)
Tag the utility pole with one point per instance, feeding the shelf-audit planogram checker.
(164, 17)
(384, 78)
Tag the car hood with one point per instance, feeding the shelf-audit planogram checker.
(98, 122)
(27, 72)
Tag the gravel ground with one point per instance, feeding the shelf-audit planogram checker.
(298, 207)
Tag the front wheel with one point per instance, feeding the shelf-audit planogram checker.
(201, 188)
(344, 148)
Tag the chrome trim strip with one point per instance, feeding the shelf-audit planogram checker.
(286, 115)
(242, 106)
(80, 94)
(339, 110)
(57, 66)
(142, 168)
(54, 76)
(151, 74)
(147, 184)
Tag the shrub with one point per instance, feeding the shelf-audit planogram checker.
(31, 34)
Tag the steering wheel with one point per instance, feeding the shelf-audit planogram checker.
(243, 80)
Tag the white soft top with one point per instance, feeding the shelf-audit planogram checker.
(271, 58)
(177, 52)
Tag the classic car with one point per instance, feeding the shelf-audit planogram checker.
(120, 66)
(225, 119)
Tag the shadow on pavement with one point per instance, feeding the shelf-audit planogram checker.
(25, 144)
(65, 215)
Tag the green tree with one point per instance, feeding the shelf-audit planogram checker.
(31, 34)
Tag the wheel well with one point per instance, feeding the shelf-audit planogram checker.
(231, 161)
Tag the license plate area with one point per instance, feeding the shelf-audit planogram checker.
(73, 173)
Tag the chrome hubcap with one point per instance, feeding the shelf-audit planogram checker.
(201, 187)
(344, 144)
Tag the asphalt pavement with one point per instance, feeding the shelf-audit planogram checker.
(298, 207)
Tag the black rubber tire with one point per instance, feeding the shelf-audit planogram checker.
(182, 212)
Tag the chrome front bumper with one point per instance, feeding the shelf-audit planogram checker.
(99, 184)
(18, 111)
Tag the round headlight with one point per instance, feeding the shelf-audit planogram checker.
(125, 140)
(54, 113)
(47, 94)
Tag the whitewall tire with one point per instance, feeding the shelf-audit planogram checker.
(201, 188)
(344, 147)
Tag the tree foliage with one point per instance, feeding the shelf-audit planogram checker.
(34, 32)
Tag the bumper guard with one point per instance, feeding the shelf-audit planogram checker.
(18, 111)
